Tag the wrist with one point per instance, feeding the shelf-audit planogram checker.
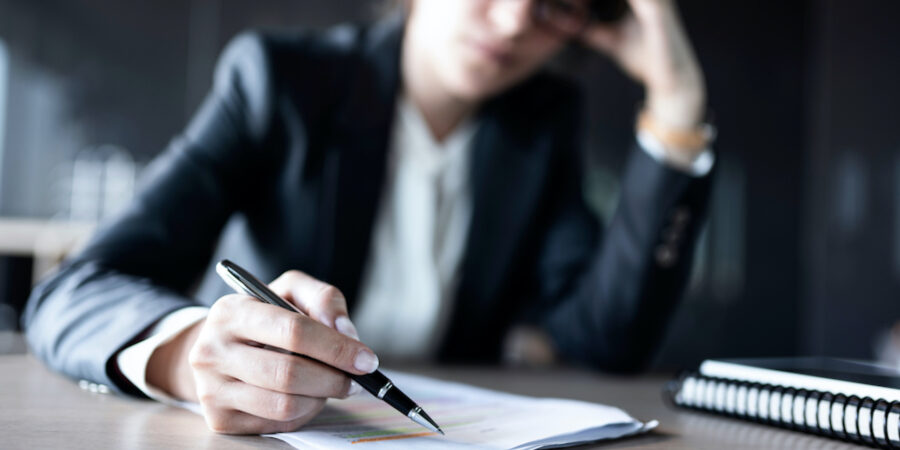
(682, 110)
(681, 146)
(168, 368)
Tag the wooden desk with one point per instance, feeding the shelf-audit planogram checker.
(41, 409)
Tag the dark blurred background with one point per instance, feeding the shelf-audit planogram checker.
(802, 251)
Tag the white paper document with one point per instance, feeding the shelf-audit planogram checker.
(470, 417)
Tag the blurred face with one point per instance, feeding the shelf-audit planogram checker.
(473, 49)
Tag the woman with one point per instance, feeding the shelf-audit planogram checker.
(423, 166)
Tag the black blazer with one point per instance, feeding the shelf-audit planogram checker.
(289, 151)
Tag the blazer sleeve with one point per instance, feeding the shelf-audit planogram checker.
(611, 298)
(140, 265)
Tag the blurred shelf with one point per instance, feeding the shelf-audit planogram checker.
(47, 241)
(30, 237)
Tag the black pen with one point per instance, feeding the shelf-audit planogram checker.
(376, 383)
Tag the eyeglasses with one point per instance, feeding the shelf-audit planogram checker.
(566, 17)
(571, 17)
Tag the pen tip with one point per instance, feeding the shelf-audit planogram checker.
(420, 417)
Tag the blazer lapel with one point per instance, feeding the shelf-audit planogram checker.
(509, 167)
(362, 131)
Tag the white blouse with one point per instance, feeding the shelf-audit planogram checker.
(418, 240)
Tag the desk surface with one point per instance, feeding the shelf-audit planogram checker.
(41, 409)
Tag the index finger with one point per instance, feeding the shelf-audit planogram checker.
(268, 324)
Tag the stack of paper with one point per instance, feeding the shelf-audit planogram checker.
(469, 416)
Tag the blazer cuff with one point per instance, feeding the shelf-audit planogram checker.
(699, 167)
(132, 361)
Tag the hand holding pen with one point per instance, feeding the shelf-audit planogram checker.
(375, 382)
(244, 388)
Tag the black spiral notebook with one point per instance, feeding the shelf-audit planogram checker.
(844, 399)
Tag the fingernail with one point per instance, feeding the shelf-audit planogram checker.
(366, 361)
(345, 327)
(355, 388)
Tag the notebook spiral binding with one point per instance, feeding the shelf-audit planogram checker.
(867, 421)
